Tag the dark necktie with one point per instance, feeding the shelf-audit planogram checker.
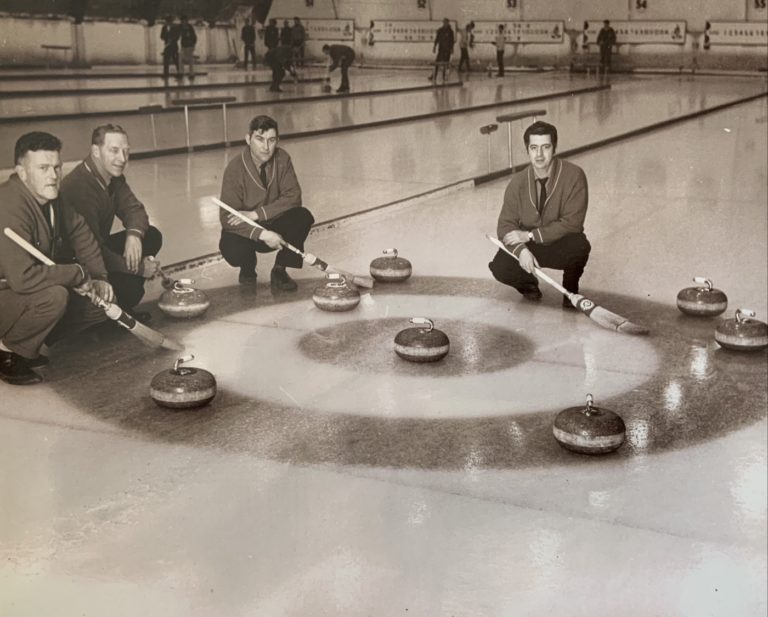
(47, 208)
(542, 192)
(263, 174)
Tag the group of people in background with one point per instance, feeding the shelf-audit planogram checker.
(292, 37)
(172, 34)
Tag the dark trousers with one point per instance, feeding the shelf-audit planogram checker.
(249, 49)
(569, 254)
(29, 320)
(170, 56)
(278, 72)
(500, 61)
(129, 288)
(344, 66)
(605, 58)
(293, 225)
(464, 60)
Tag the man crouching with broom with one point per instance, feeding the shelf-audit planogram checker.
(38, 303)
(542, 219)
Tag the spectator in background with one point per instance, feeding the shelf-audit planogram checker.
(299, 36)
(444, 41)
(170, 37)
(341, 56)
(466, 40)
(271, 35)
(248, 37)
(188, 42)
(606, 39)
(500, 42)
(286, 36)
(280, 60)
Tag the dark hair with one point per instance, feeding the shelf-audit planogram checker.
(263, 124)
(97, 137)
(326, 47)
(606, 23)
(540, 128)
(33, 142)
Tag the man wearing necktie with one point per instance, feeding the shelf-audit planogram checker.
(542, 218)
(38, 303)
(261, 183)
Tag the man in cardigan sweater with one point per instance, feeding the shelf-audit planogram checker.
(38, 303)
(98, 191)
(260, 182)
(542, 218)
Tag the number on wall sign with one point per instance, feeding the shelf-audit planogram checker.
(309, 2)
(511, 4)
(641, 5)
(421, 4)
(760, 4)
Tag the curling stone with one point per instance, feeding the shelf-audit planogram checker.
(390, 268)
(183, 387)
(336, 294)
(183, 301)
(327, 85)
(589, 430)
(742, 333)
(424, 344)
(702, 301)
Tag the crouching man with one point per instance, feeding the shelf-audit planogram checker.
(40, 304)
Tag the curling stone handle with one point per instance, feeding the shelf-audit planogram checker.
(183, 285)
(702, 280)
(743, 315)
(590, 408)
(423, 321)
(182, 359)
(390, 252)
(335, 279)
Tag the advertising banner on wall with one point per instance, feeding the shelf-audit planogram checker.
(520, 31)
(757, 10)
(736, 33)
(638, 32)
(325, 29)
(394, 31)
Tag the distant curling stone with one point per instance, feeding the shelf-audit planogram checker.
(702, 301)
(183, 387)
(336, 294)
(391, 268)
(183, 301)
(742, 333)
(327, 85)
(422, 344)
(590, 429)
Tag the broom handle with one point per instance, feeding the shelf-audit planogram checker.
(536, 270)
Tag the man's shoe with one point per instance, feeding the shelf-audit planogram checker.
(275, 90)
(280, 281)
(15, 370)
(568, 305)
(247, 277)
(38, 362)
(342, 90)
(532, 294)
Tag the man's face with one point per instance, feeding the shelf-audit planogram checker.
(112, 156)
(40, 171)
(262, 145)
(541, 151)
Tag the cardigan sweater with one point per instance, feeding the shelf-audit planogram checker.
(562, 213)
(22, 273)
(242, 189)
(84, 191)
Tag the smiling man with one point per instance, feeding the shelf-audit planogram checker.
(98, 191)
(542, 218)
(39, 303)
(261, 183)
